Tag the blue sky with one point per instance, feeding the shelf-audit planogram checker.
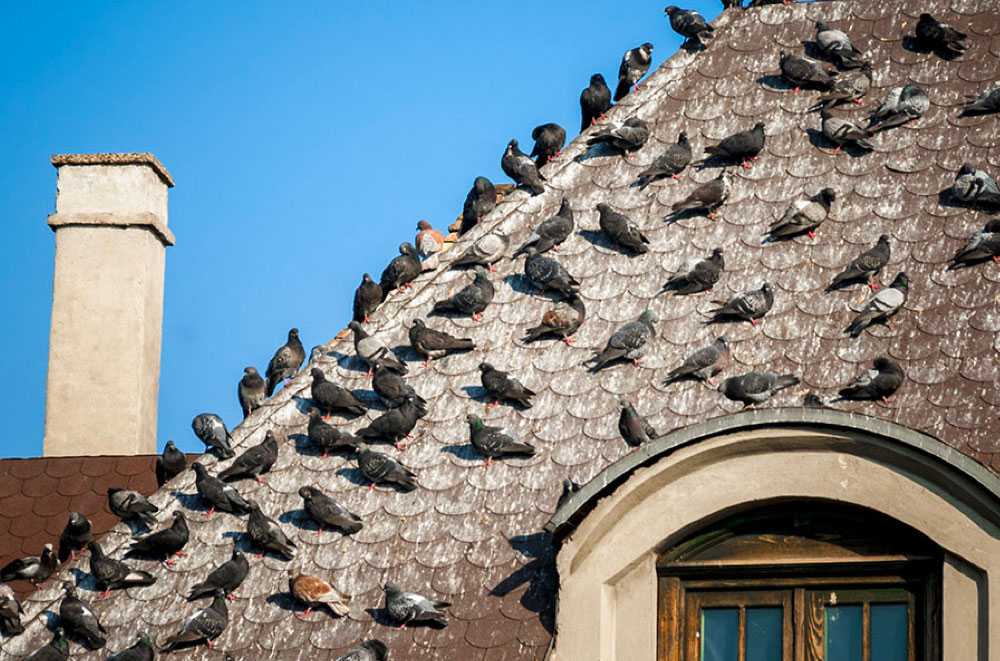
(306, 140)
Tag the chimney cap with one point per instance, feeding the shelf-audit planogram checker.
(131, 158)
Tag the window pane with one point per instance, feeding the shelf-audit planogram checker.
(720, 632)
(889, 632)
(764, 634)
(843, 633)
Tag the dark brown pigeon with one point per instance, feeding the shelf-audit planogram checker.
(502, 387)
(401, 271)
(628, 137)
(742, 147)
(670, 163)
(940, 36)
(254, 462)
(707, 197)
(550, 232)
(367, 298)
(865, 267)
(549, 140)
(877, 384)
(432, 344)
(170, 464)
(480, 201)
(756, 387)
(622, 232)
(697, 276)
(595, 101)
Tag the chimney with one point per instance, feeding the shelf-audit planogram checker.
(107, 304)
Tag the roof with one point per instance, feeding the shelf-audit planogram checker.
(476, 537)
(129, 158)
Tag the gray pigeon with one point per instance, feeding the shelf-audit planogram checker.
(865, 266)
(549, 140)
(211, 430)
(328, 513)
(518, 166)
(688, 23)
(878, 383)
(254, 462)
(393, 390)
(842, 132)
(493, 443)
(127, 505)
(628, 342)
(547, 274)
(432, 344)
(696, 277)
(379, 468)
(756, 387)
(741, 147)
(975, 188)
(707, 197)
(849, 87)
(252, 391)
(634, 428)
(670, 163)
(228, 577)
(595, 101)
(480, 201)
(500, 386)
(369, 349)
(749, 305)
(628, 137)
(267, 535)
(367, 298)
(164, 544)
(369, 650)
(395, 424)
(286, 361)
(940, 36)
(620, 229)
(551, 231)
(635, 64)
(981, 246)
(217, 494)
(486, 251)
(330, 398)
(79, 621)
(56, 650)
(561, 321)
(170, 464)
(881, 307)
(407, 607)
(805, 73)
(74, 537)
(986, 102)
(471, 299)
(327, 437)
(704, 364)
(33, 568)
(10, 612)
(401, 271)
(836, 45)
(141, 650)
(900, 105)
(203, 627)
(111, 574)
(803, 216)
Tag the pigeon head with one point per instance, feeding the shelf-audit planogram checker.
(926, 17)
(423, 225)
(901, 281)
(827, 196)
(419, 323)
(481, 273)
(254, 507)
(249, 371)
(170, 445)
(866, 68)
(604, 208)
(293, 334)
(69, 589)
(967, 168)
(144, 638)
(270, 440)
(649, 317)
(46, 549)
(624, 403)
(474, 421)
(670, 10)
(317, 374)
(113, 490)
(485, 367)
(635, 122)
(766, 288)
(883, 239)
(882, 363)
(313, 412)
(821, 26)
(236, 551)
(646, 48)
(307, 492)
(482, 184)
(597, 79)
(722, 341)
(758, 127)
(199, 469)
(76, 519)
(356, 327)
(512, 146)
(564, 207)
(391, 588)
(682, 138)
(716, 253)
(406, 248)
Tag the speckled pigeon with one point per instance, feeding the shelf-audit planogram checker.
(33, 568)
(393, 390)
(401, 271)
(328, 513)
(470, 300)
(128, 505)
(252, 391)
(228, 577)
(688, 23)
(547, 274)
(57, 649)
(395, 424)
(635, 64)
(984, 103)
(881, 307)
(285, 362)
(628, 137)
(749, 305)
(805, 73)
(501, 386)
(369, 650)
(316, 592)
(431, 343)
(621, 231)
(254, 462)
(803, 216)
(141, 650)
(849, 87)
(549, 140)
(217, 494)
(670, 163)
(111, 574)
(550, 232)
(203, 627)
(875, 384)
(841, 131)
(369, 348)
(267, 535)
(704, 364)
(170, 464)
(595, 101)
(900, 105)
(940, 36)
(697, 276)
(740, 147)
(493, 443)
(706, 197)
(756, 387)
(981, 246)
(836, 45)
(211, 430)
(380, 468)
(486, 251)
(865, 266)
(328, 438)
(330, 398)
(10, 612)
(628, 342)
(562, 321)
(518, 166)
(163, 544)
(479, 202)
(367, 298)
(407, 607)
(74, 537)
(975, 188)
(79, 621)
(634, 428)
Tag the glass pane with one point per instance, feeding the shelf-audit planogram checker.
(889, 632)
(843, 633)
(720, 634)
(764, 634)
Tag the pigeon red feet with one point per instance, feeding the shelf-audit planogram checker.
(477, 316)
(230, 596)
(996, 259)
(712, 215)
(637, 362)
(753, 322)
(489, 462)
(210, 644)
(260, 480)
(568, 341)
(492, 405)
(838, 149)
(796, 90)
(811, 234)
(493, 269)
(304, 615)
(209, 513)
(371, 487)
(675, 177)
(858, 102)
(104, 595)
(874, 286)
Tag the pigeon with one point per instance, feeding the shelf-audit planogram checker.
(595, 101)
(742, 147)
(74, 537)
(900, 105)
(635, 64)
(379, 468)
(327, 437)
(401, 271)
(266, 534)
(569, 487)
(254, 462)
(881, 307)
(803, 216)
(836, 45)
(470, 300)
(628, 342)
(170, 464)
(316, 592)
(981, 246)
(547, 274)
(875, 384)
(707, 197)
(670, 163)
(79, 620)
(986, 102)
(217, 494)
(369, 650)
(328, 513)
(628, 137)
(395, 424)
(392, 389)
(550, 232)
(203, 627)
(634, 428)
(407, 607)
(518, 166)
(165, 543)
(329, 397)
(33, 568)
(369, 348)
(549, 140)
(285, 362)
(367, 298)
(480, 201)
(562, 321)
(111, 574)
(431, 343)
(865, 266)
(10, 612)
(56, 650)
(141, 650)
(940, 36)
(689, 24)
(228, 577)
(698, 276)
(500, 386)
(976, 188)
(806, 73)
(842, 132)
(849, 87)
(493, 443)
(486, 251)
(813, 401)
(252, 391)
(749, 305)
(429, 243)
(756, 387)
(211, 430)
(128, 505)
(704, 364)
(620, 229)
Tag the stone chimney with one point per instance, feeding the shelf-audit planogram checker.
(107, 304)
